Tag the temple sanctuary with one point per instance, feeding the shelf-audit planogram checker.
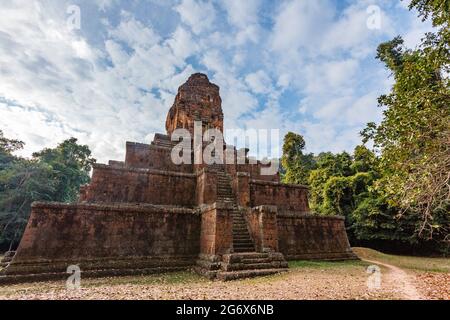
(147, 214)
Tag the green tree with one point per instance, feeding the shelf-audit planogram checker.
(296, 165)
(438, 10)
(7, 147)
(413, 137)
(51, 175)
(326, 180)
(71, 164)
(22, 183)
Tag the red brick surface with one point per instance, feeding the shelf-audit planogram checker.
(147, 212)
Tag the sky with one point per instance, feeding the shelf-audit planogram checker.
(107, 71)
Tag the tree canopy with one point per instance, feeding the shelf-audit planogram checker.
(53, 174)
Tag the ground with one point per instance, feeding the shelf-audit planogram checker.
(401, 278)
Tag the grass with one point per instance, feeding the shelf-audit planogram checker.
(325, 264)
(406, 262)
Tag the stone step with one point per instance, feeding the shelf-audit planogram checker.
(243, 249)
(240, 231)
(243, 244)
(241, 236)
(226, 200)
(240, 227)
(256, 260)
(243, 240)
(240, 224)
(222, 191)
(248, 242)
(245, 266)
(233, 275)
(247, 255)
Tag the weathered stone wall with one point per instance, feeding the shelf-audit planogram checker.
(206, 187)
(302, 236)
(148, 156)
(107, 237)
(112, 185)
(284, 196)
(216, 230)
(263, 227)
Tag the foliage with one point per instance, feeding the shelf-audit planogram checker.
(414, 136)
(296, 165)
(7, 147)
(21, 184)
(51, 175)
(439, 10)
(71, 164)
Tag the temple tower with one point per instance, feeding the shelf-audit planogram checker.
(197, 100)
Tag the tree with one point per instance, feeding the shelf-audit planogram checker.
(439, 10)
(7, 147)
(326, 181)
(296, 165)
(51, 175)
(22, 183)
(71, 164)
(414, 136)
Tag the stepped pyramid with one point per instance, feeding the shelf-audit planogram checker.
(150, 214)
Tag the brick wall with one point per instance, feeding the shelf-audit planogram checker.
(216, 230)
(112, 184)
(107, 237)
(284, 196)
(206, 192)
(312, 237)
(140, 155)
(263, 227)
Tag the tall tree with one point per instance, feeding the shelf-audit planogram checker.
(296, 165)
(51, 175)
(414, 136)
(71, 164)
(7, 147)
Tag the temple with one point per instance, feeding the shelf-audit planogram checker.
(148, 214)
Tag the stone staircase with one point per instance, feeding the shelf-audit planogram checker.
(244, 262)
(251, 264)
(242, 242)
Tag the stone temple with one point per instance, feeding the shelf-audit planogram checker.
(147, 214)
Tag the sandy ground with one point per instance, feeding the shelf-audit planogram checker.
(304, 280)
(331, 281)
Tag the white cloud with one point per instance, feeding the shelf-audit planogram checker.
(197, 14)
(259, 82)
(242, 13)
(182, 43)
(301, 24)
(134, 33)
(61, 87)
(305, 66)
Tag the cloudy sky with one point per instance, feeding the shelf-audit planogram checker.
(303, 66)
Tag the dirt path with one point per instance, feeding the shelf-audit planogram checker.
(402, 281)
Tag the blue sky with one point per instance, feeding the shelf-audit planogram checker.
(303, 66)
